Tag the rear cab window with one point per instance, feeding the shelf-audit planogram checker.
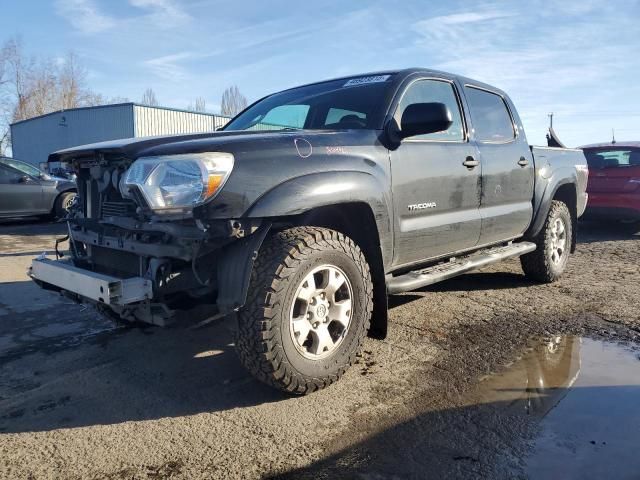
(337, 116)
(492, 122)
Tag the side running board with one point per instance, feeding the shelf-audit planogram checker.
(457, 266)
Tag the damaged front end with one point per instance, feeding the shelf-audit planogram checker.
(136, 249)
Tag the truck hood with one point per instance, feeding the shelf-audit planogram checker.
(136, 147)
(240, 141)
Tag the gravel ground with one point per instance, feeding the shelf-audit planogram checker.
(82, 398)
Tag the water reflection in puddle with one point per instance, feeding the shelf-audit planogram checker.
(567, 408)
(587, 394)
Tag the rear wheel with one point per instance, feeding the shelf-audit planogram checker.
(63, 204)
(308, 311)
(549, 260)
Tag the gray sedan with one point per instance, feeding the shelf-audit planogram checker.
(27, 191)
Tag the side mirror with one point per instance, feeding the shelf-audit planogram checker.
(423, 118)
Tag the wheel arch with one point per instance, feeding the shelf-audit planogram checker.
(568, 194)
(237, 261)
(308, 194)
(55, 200)
(565, 191)
(357, 221)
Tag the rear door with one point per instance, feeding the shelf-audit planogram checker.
(20, 194)
(436, 198)
(506, 206)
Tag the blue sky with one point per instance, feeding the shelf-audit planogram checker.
(579, 59)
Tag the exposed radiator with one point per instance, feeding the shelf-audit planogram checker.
(123, 208)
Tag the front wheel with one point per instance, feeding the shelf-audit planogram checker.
(308, 311)
(63, 204)
(547, 263)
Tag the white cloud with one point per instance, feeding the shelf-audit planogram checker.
(87, 17)
(84, 15)
(544, 65)
(168, 67)
(463, 18)
(163, 12)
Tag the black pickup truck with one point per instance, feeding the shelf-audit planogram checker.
(311, 206)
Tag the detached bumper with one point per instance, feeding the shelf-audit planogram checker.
(61, 275)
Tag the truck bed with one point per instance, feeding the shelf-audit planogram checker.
(557, 166)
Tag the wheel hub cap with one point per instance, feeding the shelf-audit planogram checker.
(321, 312)
(558, 240)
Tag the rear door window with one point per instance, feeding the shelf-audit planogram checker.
(491, 119)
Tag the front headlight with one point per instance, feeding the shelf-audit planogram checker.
(172, 182)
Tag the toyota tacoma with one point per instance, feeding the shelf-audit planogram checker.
(309, 208)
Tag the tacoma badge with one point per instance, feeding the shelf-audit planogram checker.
(421, 206)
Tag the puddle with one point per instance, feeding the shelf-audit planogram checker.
(586, 394)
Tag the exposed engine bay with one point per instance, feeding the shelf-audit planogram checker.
(124, 238)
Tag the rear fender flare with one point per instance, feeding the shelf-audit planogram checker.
(545, 192)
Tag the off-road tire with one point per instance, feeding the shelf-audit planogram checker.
(264, 343)
(59, 209)
(538, 265)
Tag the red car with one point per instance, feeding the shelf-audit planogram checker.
(614, 181)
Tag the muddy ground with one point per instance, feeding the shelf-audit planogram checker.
(83, 398)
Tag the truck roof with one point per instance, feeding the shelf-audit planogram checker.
(403, 73)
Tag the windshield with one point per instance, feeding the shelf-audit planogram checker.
(23, 167)
(338, 104)
(612, 158)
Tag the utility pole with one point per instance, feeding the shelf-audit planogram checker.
(613, 136)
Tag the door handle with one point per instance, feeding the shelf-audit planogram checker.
(523, 162)
(470, 162)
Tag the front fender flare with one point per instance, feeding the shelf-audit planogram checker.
(234, 269)
(301, 194)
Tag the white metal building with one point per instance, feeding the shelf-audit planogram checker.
(34, 139)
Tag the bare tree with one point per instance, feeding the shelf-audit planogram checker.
(4, 132)
(233, 102)
(71, 81)
(42, 94)
(30, 86)
(200, 105)
(149, 98)
(14, 95)
(19, 71)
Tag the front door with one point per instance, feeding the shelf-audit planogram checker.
(436, 197)
(506, 204)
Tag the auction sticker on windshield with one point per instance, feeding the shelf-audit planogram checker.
(363, 80)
